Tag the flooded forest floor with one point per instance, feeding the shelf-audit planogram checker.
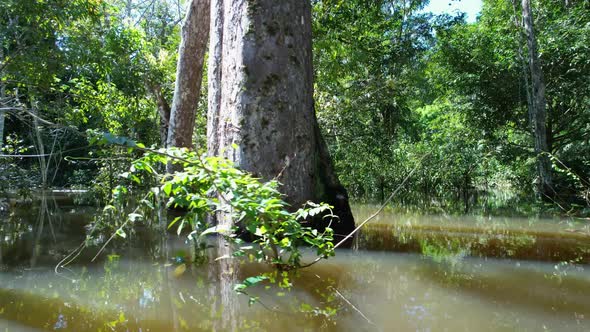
(404, 272)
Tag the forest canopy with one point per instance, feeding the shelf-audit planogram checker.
(395, 86)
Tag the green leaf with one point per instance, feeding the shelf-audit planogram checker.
(134, 217)
(260, 231)
(167, 188)
(109, 138)
(120, 232)
(109, 208)
(252, 281)
(285, 242)
(180, 227)
(173, 222)
(220, 229)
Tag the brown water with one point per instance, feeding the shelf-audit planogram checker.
(546, 239)
(437, 279)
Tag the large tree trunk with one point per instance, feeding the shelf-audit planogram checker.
(261, 110)
(189, 74)
(538, 109)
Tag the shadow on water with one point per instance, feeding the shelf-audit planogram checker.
(552, 292)
(408, 273)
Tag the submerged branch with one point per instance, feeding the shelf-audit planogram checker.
(119, 229)
(352, 305)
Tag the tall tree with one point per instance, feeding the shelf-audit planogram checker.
(538, 109)
(2, 96)
(368, 60)
(159, 21)
(1, 130)
(163, 111)
(189, 74)
(261, 113)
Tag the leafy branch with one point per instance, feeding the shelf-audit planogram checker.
(212, 186)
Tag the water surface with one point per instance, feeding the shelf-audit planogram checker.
(405, 273)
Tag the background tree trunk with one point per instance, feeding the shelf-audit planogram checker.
(523, 62)
(163, 111)
(189, 74)
(1, 130)
(539, 113)
(3, 99)
(261, 100)
(214, 75)
(37, 138)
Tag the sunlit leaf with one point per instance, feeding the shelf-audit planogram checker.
(179, 270)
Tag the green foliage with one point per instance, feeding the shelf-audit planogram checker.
(395, 84)
(452, 251)
(13, 177)
(368, 61)
(213, 186)
(85, 65)
(481, 61)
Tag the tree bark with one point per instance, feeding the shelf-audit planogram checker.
(224, 303)
(38, 141)
(261, 110)
(538, 109)
(2, 96)
(163, 111)
(1, 130)
(214, 75)
(523, 63)
(189, 74)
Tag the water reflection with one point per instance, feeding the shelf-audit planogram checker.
(131, 294)
(451, 283)
(449, 237)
